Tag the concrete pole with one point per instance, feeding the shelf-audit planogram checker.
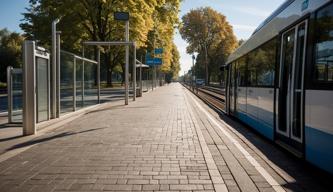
(10, 93)
(29, 88)
(127, 62)
(54, 69)
(58, 73)
(99, 74)
(134, 72)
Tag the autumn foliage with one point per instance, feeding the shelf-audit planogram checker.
(209, 34)
(152, 24)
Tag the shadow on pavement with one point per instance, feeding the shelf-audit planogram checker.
(60, 135)
(10, 125)
(105, 109)
(11, 138)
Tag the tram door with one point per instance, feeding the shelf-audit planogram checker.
(291, 94)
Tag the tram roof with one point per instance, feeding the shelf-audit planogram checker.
(287, 14)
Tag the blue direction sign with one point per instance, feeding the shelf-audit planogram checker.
(150, 62)
(158, 51)
(153, 61)
(158, 61)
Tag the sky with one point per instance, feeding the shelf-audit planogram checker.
(11, 14)
(243, 15)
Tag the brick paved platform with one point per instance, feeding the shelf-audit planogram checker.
(166, 141)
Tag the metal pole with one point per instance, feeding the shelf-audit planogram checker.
(140, 77)
(155, 74)
(206, 66)
(134, 72)
(54, 69)
(10, 93)
(82, 80)
(152, 78)
(148, 79)
(74, 84)
(58, 74)
(99, 74)
(126, 62)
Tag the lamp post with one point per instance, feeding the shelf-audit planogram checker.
(193, 73)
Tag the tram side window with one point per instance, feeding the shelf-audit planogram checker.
(324, 45)
(241, 68)
(252, 69)
(265, 59)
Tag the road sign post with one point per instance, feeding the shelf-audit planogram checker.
(134, 72)
(124, 16)
(127, 62)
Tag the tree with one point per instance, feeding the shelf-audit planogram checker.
(209, 34)
(174, 64)
(161, 35)
(10, 52)
(93, 20)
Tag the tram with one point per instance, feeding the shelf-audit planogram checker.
(280, 81)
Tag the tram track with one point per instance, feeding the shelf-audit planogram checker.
(212, 96)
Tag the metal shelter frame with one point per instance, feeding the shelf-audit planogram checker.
(31, 53)
(10, 72)
(140, 65)
(117, 43)
(75, 58)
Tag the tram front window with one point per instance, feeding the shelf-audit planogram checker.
(324, 45)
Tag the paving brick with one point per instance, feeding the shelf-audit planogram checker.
(161, 142)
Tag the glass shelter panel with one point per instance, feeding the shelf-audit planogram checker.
(42, 89)
(79, 84)
(17, 95)
(66, 83)
(90, 84)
